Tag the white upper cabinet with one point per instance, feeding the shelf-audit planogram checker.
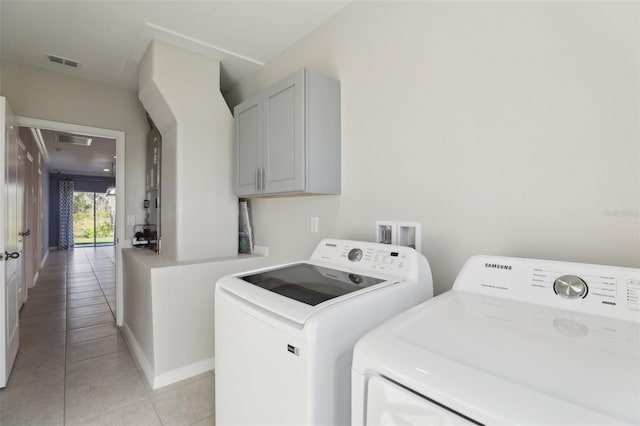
(288, 138)
(248, 144)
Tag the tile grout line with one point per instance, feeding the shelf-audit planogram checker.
(66, 330)
(65, 347)
(148, 390)
(93, 339)
(100, 284)
(94, 357)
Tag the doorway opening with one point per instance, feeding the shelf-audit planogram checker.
(119, 137)
(94, 216)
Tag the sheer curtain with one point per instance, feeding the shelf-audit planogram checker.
(65, 208)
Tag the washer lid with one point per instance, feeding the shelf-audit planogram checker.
(310, 284)
(501, 361)
(284, 292)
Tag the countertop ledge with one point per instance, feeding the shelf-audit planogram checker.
(152, 260)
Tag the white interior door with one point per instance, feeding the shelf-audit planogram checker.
(9, 252)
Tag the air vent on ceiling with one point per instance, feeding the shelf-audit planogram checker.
(71, 63)
(75, 140)
(63, 61)
(55, 59)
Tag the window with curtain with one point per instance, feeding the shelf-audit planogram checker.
(65, 207)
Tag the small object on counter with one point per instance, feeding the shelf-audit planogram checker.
(139, 240)
(244, 243)
(144, 235)
(245, 233)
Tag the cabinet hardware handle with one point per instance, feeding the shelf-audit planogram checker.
(261, 179)
(257, 179)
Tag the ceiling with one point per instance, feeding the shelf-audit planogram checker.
(108, 38)
(80, 160)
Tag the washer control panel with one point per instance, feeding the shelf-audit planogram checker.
(364, 256)
(595, 289)
(355, 255)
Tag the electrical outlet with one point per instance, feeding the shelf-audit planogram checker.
(131, 219)
(314, 224)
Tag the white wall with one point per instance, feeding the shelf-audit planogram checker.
(504, 127)
(181, 91)
(169, 314)
(37, 93)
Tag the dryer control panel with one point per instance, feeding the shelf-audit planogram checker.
(609, 291)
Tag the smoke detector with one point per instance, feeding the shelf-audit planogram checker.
(75, 140)
(63, 61)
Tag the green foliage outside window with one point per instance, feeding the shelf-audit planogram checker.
(83, 217)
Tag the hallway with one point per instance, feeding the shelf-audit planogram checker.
(73, 366)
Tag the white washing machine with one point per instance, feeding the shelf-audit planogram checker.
(516, 341)
(284, 336)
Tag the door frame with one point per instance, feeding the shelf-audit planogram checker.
(119, 136)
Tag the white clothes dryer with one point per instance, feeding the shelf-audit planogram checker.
(284, 335)
(516, 341)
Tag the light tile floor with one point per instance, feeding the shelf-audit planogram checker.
(74, 368)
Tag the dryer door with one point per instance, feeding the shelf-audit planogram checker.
(389, 404)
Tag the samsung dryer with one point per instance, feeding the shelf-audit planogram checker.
(284, 335)
(516, 341)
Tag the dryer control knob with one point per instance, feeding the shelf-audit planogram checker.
(570, 287)
(355, 255)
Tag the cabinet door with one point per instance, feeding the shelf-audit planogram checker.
(248, 148)
(283, 143)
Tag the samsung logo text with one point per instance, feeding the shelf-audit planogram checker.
(498, 266)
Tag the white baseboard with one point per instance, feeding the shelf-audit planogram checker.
(44, 258)
(138, 354)
(182, 373)
(169, 377)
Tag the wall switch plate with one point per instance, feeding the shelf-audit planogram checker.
(131, 219)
